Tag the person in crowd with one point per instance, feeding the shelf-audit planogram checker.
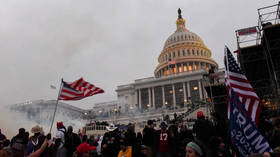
(275, 137)
(9, 151)
(185, 136)
(193, 149)
(130, 135)
(202, 129)
(110, 143)
(139, 138)
(219, 125)
(144, 151)
(175, 116)
(148, 136)
(98, 148)
(84, 150)
(84, 139)
(174, 138)
(2, 139)
(60, 140)
(217, 147)
(92, 141)
(72, 141)
(20, 139)
(35, 141)
(42, 148)
(126, 151)
(161, 144)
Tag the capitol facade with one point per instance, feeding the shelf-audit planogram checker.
(178, 77)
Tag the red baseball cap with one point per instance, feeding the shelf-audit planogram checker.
(59, 124)
(84, 147)
(199, 114)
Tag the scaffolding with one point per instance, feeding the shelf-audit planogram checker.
(258, 52)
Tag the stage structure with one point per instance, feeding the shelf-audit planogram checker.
(259, 55)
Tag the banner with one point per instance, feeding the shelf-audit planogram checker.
(244, 132)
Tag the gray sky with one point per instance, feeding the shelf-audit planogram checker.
(109, 42)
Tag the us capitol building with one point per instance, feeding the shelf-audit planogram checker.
(177, 78)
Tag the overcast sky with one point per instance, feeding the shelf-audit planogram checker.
(108, 42)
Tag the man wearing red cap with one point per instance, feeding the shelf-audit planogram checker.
(60, 140)
(202, 129)
(84, 149)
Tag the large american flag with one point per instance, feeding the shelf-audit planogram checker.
(77, 90)
(236, 80)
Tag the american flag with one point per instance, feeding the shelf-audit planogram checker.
(77, 90)
(236, 80)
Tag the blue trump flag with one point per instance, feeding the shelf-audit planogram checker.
(244, 132)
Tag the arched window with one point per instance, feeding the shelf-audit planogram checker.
(173, 54)
(190, 68)
(180, 69)
(178, 53)
(189, 53)
(197, 52)
(185, 68)
(193, 52)
(195, 67)
(184, 53)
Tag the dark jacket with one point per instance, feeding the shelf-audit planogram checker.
(111, 140)
(148, 136)
(203, 130)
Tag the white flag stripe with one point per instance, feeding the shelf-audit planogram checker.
(249, 93)
(71, 90)
(247, 103)
(67, 94)
(240, 98)
(237, 75)
(228, 111)
(247, 85)
(254, 110)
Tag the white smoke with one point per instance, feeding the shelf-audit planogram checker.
(14, 117)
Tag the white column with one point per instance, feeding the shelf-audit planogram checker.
(153, 96)
(150, 97)
(173, 94)
(140, 102)
(200, 89)
(199, 65)
(193, 66)
(176, 67)
(184, 90)
(189, 90)
(163, 97)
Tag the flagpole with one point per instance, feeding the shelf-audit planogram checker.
(227, 69)
(56, 105)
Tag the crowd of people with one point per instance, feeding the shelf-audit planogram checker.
(208, 138)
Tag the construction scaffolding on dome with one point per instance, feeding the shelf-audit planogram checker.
(258, 55)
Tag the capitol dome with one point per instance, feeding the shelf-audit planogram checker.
(183, 51)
